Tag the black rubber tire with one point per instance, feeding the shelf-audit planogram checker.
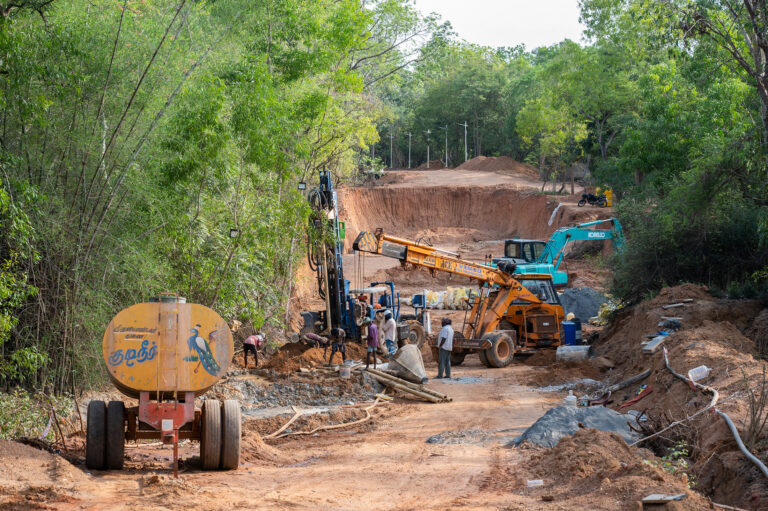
(502, 350)
(581, 203)
(483, 358)
(95, 435)
(115, 451)
(210, 435)
(230, 435)
(458, 358)
(407, 317)
(416, 334)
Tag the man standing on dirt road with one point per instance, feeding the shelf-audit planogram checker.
(338, 343)
(373, 342)
(445, 345)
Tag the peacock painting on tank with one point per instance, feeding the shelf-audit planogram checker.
(202, 348)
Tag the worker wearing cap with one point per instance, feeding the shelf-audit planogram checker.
(338, 343)
(445, 346)
(373, 341)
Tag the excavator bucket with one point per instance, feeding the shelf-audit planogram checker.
(408, 364)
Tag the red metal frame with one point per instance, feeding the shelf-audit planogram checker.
(167, 418)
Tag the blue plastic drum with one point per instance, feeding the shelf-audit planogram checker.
(569, 328)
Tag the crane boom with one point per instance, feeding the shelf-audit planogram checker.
(425, 256)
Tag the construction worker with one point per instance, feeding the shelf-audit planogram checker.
(338, 343)
(445, 346)
(313, 340)
(390, 333)
(373, 341)
(252, 343)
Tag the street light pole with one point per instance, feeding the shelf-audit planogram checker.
(428, 132)
(445, 128)
(409, 149)
(465, 138)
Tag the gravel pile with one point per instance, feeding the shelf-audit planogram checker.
(303, 394)
(584, 302)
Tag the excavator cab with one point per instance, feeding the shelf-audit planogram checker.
(523, 251)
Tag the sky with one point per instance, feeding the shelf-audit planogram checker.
(509, 22)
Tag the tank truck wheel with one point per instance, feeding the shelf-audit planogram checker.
(230, 439)
(416, 334)
(502, 350)
(483, 358)
(457, 358)
(95, 433)
(115, 435)
(210, 435)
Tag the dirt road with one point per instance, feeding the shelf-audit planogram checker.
(387, 466)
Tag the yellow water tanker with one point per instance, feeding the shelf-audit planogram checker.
(166, 347)
(165, 353)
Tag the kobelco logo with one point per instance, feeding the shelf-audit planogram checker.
(595, 235)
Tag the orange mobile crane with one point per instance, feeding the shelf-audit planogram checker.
(511, 314)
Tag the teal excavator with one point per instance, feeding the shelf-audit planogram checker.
(536, 256)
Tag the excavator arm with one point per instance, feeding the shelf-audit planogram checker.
(555, 248)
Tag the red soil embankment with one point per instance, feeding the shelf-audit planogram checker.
(451, 214)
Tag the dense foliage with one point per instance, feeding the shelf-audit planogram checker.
(667, 104)
(137, 135)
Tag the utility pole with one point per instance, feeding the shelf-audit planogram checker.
(465, 138)
(428, 132)
(445, 128)
(391, 161)
(409, 149)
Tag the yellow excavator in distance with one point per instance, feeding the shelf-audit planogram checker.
(511, 314)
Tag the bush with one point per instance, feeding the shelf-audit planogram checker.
(683, 237)
(26, 415)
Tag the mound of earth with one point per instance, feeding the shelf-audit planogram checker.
(712, 334)
(31, 478)
(597, 470)
(447, 214)
(494, 163)
(433, 165)
(255, 450)
(293, 356)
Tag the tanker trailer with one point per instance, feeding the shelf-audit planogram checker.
(165, 353)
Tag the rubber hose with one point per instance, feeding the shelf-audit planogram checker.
(754, 459)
